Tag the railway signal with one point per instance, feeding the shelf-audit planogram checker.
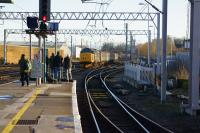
(44, 18)
(32, 22)
(44, 10)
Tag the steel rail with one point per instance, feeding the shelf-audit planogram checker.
(112, 94)
(104, 115)
(89, 97)
(144, 117)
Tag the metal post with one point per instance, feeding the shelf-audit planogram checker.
(5, 47)
(71, 47)
(87, 43)
(131, 47)
(194, 58)
(139, 51)
(134, 50)
(126, 59)
(164, 51)
(149, 40)
(149, 47)
(44, 59)
(135, 56)
(55, 43)
(171, 49)
(30, 47)
(158, 43)
(40, 58)
(81, 43)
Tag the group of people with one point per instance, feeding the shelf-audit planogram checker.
(54, 66)
(56, 63)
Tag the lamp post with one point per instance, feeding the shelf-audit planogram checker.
(149, 40)
(149, 36)
(164, 52)
(71, 46)
(164, 42)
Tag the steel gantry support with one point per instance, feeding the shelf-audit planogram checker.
(194, 58)
(158, 44)
(81, 15)
(128, 16)
(86, 31)
(164, 52)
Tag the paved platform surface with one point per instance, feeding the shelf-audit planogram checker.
(49, 108)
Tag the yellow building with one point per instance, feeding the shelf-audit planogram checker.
(14, 52)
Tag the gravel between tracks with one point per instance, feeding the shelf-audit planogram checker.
(167, 114)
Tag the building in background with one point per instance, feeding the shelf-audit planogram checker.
(76, 51)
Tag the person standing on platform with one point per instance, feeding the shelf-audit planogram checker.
(27, 71)
(51, 64)
(67, 66)
(57, 65)
(25, 67)
(47, 65)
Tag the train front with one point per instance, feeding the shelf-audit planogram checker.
(87, 57)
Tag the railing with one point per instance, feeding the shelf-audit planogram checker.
(140, 74)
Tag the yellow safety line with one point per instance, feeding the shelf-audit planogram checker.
(9, 127)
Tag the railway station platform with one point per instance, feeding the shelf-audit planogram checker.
(49, 108)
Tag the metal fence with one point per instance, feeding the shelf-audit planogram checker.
(139, 74)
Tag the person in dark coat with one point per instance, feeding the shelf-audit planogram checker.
(51, 64)
(67, 66)
(57, 66)
(24, 70)
(47, 66)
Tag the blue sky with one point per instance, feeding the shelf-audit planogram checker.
(176, 18)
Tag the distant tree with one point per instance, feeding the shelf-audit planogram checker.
(179, 43)
(1, 60)
(171, 47)
(120, 48)
(107, 47)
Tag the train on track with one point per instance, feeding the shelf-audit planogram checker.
(92, 57)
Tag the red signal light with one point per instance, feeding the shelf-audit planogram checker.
(44, 18)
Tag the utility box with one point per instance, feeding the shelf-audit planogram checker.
(53, 26)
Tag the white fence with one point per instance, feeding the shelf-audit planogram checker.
(139, 74)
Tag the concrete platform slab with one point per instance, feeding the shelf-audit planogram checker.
(53, 105)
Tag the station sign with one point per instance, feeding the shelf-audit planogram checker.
(53, 26)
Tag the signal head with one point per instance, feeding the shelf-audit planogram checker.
(44, 18)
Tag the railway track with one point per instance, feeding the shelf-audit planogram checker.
(8, 73)
(109, 113)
